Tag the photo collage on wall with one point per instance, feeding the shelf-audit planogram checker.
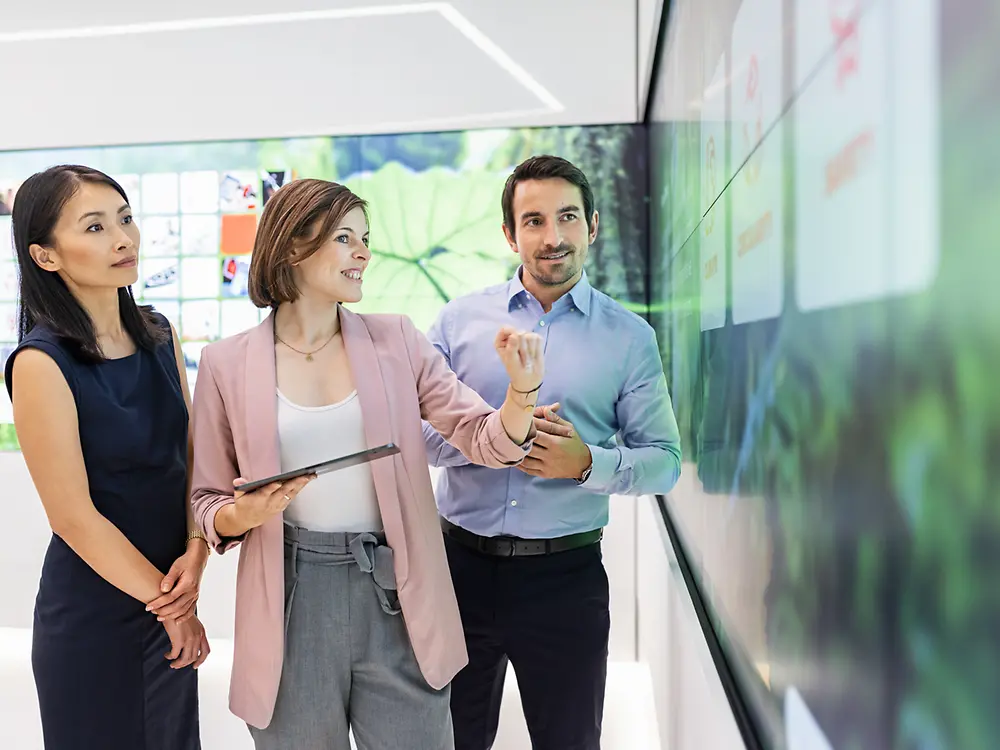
(198, 232)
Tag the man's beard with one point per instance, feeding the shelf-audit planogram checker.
(557, 276)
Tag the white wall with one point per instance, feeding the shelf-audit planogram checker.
(691, 706)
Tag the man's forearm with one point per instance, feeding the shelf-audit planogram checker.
(441, 453)
(650, 470)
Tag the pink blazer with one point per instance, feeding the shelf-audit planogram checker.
(400, 378)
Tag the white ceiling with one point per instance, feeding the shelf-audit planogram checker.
(109, 72)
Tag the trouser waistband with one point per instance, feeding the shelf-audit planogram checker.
(367, 549)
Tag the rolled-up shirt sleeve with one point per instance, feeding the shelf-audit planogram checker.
(459, 415)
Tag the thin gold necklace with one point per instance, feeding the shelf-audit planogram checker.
(308, 355)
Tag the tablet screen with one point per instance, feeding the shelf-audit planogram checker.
(333, 464)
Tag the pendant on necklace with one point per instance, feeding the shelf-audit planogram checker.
(309, 358)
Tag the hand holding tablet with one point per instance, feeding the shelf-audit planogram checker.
(389, 449)
(253, 508)
(260, 499)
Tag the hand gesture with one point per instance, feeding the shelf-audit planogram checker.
(522, 356)
(558, 452)
(181, 585)
(253, 508)
(546, 420)
(188, 643)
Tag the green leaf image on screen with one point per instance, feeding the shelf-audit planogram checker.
(440, 242)
(8, 439)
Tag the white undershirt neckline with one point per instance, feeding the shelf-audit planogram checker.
(342, 500)
(325, 407)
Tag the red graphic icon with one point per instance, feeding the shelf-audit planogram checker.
(756, 102)
(844, 25)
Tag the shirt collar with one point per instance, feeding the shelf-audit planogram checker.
(580, 293)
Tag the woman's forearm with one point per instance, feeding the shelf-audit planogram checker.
(517, 413)
(101, 545)
(228, 524)
(192, 525)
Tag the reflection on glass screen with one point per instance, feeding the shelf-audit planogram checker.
(825, 290)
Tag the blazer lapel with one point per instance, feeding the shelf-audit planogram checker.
(370, 384)
(261, 425)
(261, 407)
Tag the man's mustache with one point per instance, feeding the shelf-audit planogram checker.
(562, 248)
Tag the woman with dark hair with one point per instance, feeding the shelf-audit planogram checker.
(101, 412)
(346, 616)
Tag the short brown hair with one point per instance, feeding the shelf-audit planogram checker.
(545, 167)
(297, 220)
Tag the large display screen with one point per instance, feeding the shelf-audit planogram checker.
(826, 184)
(435, 211)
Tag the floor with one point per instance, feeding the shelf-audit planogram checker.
(629, 721)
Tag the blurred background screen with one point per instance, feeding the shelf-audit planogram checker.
(824, 286)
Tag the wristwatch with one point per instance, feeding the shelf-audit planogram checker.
(586, 474)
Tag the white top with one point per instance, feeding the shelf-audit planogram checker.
(342, 500)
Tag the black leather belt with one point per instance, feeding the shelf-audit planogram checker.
(512, 546)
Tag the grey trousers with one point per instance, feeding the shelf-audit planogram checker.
(348, 662)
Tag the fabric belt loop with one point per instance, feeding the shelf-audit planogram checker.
(295, 582)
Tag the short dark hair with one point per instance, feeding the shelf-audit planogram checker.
(43, 296)
(545, 167)
(300, 216)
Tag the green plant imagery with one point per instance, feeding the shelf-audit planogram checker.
(442, 241)
(434, 202)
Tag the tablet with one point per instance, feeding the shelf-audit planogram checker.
(389, 449)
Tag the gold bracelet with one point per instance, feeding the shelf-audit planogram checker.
(526, 407)
(197, 535)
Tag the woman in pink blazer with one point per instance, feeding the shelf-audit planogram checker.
(345, 613)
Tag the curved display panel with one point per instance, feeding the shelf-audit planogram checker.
(824, 270)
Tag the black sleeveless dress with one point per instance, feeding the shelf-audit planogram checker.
(97, 656)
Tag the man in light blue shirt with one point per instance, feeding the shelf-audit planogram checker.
(524, 543)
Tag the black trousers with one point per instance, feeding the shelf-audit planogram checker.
(547, 615)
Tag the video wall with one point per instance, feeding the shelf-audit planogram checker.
(824, 277)
(435, 219)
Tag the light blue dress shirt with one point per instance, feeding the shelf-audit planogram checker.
(603, 365)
